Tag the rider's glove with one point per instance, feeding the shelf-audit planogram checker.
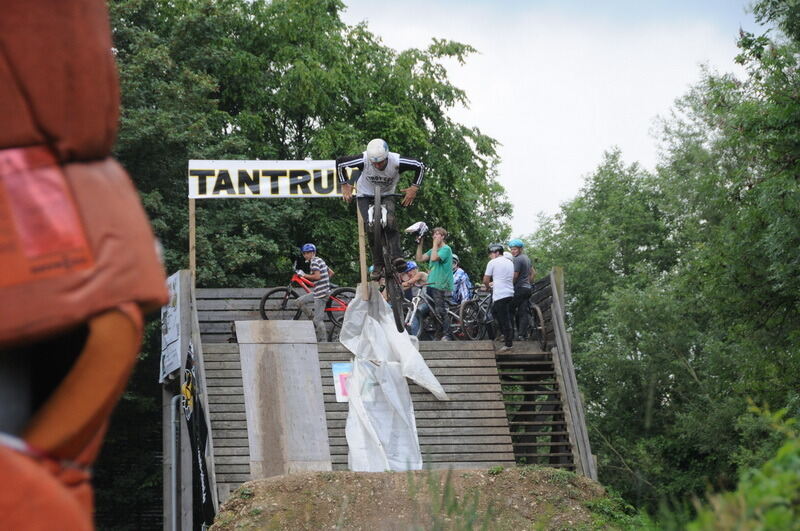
(418, 229)
(300, 272)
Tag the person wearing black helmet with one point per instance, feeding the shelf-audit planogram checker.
(320, 275)
(499, 276)
(380, 167)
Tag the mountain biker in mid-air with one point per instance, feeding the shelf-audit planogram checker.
(380, 167)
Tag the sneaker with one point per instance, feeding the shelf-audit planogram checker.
(504, 348)
(446, 338)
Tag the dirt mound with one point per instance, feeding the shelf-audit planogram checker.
(515, 498)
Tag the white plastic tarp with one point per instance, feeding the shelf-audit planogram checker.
(381, 430)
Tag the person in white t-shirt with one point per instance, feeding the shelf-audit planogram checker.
(500, 276)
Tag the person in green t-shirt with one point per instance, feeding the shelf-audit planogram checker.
(440, 277)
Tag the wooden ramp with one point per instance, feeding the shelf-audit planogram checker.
(521, 406)
(468, 431)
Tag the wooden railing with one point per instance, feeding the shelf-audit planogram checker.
(570, 393)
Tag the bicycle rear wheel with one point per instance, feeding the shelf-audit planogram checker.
(539, 333)
(276, 302)
(469, 315)
(337, 303)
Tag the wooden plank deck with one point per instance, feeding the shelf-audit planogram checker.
(468, 431)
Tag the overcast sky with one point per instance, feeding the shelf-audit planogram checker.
(559, 82)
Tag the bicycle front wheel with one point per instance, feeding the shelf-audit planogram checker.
(396, 300)
(337, 303)
(275, 304)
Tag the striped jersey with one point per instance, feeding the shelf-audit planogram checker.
(322, 286)
(370, 176)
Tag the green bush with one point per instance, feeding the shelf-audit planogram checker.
(766, 498)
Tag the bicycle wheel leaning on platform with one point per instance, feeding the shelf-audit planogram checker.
(470, 318)
(337, 303)
(277, 301)
(538, 331)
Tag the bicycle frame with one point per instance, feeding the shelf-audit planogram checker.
(421, 296)
(307, 285)
(302, 282)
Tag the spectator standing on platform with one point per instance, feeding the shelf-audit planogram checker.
(499, 276)
(320, 274)
(522, 287)
(440, 277)
(462, 286)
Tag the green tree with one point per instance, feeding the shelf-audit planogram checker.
(288, 80)
(684, 284)
(284, 79)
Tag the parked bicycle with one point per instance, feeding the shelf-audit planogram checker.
(431, 324)
(484, 327)
(280, 300)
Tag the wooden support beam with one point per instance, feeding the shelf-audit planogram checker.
(192, 244)
(362, 255)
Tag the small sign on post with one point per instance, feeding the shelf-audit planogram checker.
(171, 330)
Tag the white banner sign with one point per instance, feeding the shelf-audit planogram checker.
(265, 179)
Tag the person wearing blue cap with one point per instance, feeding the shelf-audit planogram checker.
(523, 275)
(320, 275)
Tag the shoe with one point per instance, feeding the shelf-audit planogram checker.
(399, 264)
(446, 338)
(504, 348)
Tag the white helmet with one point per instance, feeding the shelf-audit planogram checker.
(377, 150)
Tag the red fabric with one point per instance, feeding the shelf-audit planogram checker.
(59, 92)
(34, 499)
(82, 403)
(126, 267)
(58, 80)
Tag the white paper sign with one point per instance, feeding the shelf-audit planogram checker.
(170, 331)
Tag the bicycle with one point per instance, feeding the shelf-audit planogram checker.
(376, 222)
(482, 310)
(536, 329)
(477, 311)
(431, 323)
(335, 306)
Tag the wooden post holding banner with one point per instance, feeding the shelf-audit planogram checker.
(362, 254)
(192, 247)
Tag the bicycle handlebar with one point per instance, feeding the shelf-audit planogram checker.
(367, 196)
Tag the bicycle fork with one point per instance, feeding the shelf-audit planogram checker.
(371, 215)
